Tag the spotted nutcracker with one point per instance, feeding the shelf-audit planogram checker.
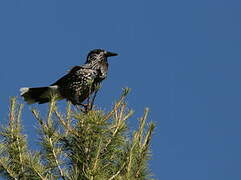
(77, 85)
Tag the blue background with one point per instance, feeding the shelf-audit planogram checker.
(181, 59)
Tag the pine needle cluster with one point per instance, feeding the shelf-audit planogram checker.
(74, 145)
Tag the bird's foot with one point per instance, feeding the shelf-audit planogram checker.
(85, 108)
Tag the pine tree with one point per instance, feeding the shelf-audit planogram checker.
(75, 145)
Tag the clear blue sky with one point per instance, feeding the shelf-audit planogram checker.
(182, 59)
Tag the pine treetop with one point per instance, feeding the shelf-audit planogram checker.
(75, 145)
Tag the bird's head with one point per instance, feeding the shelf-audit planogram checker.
(99, 55)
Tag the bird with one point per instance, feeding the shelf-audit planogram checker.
(77, 85)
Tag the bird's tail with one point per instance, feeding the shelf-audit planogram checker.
(39, 94)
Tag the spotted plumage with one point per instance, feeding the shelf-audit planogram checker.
(77, 85)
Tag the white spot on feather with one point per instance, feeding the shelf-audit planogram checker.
(23, 90)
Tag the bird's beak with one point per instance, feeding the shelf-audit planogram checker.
(108, 54)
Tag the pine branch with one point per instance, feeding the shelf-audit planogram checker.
(49, 140)
(77, 145)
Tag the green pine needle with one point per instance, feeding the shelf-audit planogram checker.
(76, 145)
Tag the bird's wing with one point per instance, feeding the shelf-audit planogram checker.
(76, 71)
(66, 77)
(77, 84)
